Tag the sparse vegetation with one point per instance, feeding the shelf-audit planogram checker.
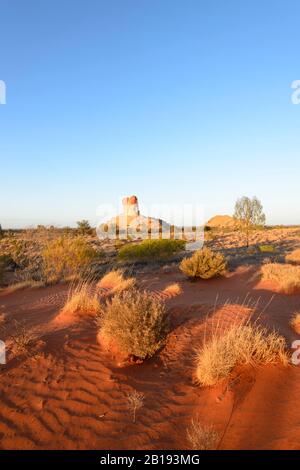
(248, 214)
(240, 344)
(135, 402)
(82, 300)
(149, 250)
(203, 264)
(84, 228)
(21, 339)
(287, 276)
(136, 321)
(202, 437)
(173, 289)
(68, 258)
(293, 257)
(116, 282)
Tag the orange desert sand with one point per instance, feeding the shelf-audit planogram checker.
(72, 393)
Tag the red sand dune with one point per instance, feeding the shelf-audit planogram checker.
(71, 394)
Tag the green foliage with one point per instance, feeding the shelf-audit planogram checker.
(84, 228)
(67, 258)
(151, 250)
(203, 264)
(267, 248)
(248, 214)
(1, 232)
(136, 321)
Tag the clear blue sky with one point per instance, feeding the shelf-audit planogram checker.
(171, 100)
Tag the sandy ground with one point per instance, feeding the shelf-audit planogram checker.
(70, 394)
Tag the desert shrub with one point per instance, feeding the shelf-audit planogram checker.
(202, 437)
(295, 322)
(287, 276)
(203, 264)
(136, 321)
(82, 299)
(267, 248)
(240, 344)
(151, 250)
(116, 282)
(293, 257)
(16, 251)
(84, 228)
(68, 258)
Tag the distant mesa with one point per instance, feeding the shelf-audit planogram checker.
(131, 206)
(221, 221)
(131, 222)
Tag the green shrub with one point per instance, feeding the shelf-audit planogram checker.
(136, 321)
(267, 248)
(151, 250)
(203, 264)
(67, 258)
(84, 228)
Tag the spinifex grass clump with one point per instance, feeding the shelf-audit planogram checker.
(204, 264)
(293, 257)
(241, 344)
(136, 321)
(149, 250)
(202, 437)
(67, 258)
(82, 300)
(287, 276)
(116, 282)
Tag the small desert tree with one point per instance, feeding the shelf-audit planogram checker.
(83, 227)
(1, 232)
(248, 213)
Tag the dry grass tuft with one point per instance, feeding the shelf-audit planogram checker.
(293, 257)
(295, 322)
(287, 276)
(22, 339)
(202, 437)
(240, 344)
(135, 402)
(136, 321)
(82, 300)
(173, 289)
(116, 282)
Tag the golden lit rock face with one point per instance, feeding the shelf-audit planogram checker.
(131, 206)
